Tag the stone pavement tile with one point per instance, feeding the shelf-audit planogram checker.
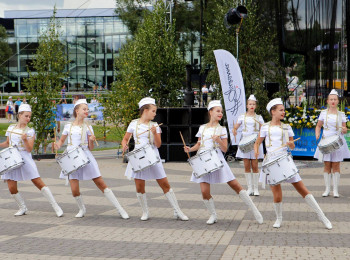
(314, 226)
(51, 257)
(6, 237)
(87, 248)
(170, 236)
(285, 252)
(290, 239)
(102, 234)
(13, 229)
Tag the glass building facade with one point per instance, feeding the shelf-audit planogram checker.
(92, 38)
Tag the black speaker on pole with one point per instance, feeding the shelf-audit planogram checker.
(272, 88)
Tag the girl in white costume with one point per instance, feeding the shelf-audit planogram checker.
(23, 137)
(79, 133)
(277, 134)
(251, 124)
(213, 135)
(145, 132)
(334, 123)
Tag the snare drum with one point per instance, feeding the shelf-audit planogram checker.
(73, 160)
(142, 158)
(246, 145)
(330, 144)
(205, 162)
(279, 169)
(10, 159)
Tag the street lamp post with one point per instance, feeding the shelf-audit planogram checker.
(94, 40)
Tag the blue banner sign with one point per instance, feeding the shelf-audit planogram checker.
(307, 144)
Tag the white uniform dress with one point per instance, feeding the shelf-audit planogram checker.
(75, 133)
(278, 138)
(222, 175)
(330, 124)
(28, 171)
(250, 126)
(154, 172)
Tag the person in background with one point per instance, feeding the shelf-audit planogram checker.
(10, 109)
(63, 95)
(18, 102)
(205, 91)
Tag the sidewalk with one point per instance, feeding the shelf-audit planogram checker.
(102, 234)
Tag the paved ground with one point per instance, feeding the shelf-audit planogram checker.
(102, 234)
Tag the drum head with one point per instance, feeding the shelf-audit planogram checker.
(329, 140)
(248, 138)
(273, 160)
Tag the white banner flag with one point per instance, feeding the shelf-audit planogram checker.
(232, 89)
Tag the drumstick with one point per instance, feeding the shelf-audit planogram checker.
(285, 145)
(148, 130)
(188, 154)
(54, 132)
(92, 133)
(212, 137)
(14, 133)
(126, 144)
(233, 129)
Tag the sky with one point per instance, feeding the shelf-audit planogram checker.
(49, 4)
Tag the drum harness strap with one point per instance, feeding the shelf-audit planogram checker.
(150, 135)
(202, 139)
(338, 120)
(284, 128)
(256, 125)
(24, 131)
(83, 134)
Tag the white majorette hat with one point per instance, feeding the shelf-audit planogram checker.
(80, 101)
(214, 103)
(252, 97)
(334, 92)
(147, 101)
(24, 108)
(273, 102)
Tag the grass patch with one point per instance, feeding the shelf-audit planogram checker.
(3, 128)
(113, 134)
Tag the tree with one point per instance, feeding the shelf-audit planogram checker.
(148, 65)
(5, 52)
(258, 53)
(45, 81)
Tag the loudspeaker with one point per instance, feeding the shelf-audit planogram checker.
(272, 88)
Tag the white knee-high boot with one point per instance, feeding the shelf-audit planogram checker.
(256, 183)
(248, 201)
(111, 197)
(143, 202)
(170, 195)
(278, 211)
(336, 177)
(20, 202)
(249, 179)
(310, 200)
(211, 208)
(48, 195)
(82, 209)
(327, 181)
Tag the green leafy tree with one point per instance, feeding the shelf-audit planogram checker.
(5, 52)
(45, 80)
(258, 51)
(148, 65)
